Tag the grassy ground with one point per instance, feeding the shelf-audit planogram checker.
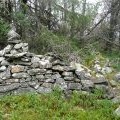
(55, 107)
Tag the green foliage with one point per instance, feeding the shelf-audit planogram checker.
(3, 32)
(54, 107)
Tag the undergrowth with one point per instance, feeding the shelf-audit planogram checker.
(54, 107)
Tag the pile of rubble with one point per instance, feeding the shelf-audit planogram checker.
(22, 71)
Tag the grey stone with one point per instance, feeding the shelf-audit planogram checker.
(35, 65)
(87, 85)
(16, 55)
(58, 68)
(67, 74)
(14, 41)
(116, 100)
(13, 52)
(9, 81)
(100, 80)
(7, 49)
(69, 78)
(25, 59)
(18, 46)
(56, 76)
(6, 74)
(43, 90)
(5, 63)
(74, 86)
(2, 53)
(49, 80)
(117, 111)
(83, 75)
(35, 59)
(60, 82)
(47, 85)
(40, 77)
(24, 85)
(36, 71)
(117, 77)
(47, 76)
(24, 90)
(113, 83)
(8, 88)
(2, 68)
(1, 59)
(20, 75)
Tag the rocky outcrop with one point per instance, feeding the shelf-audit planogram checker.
(22, 71)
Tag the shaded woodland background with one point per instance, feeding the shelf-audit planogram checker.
(71, 28)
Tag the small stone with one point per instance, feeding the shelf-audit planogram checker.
(49, 80)
(117, 111)
(9, 81)
(67, 74)
(20, 75)
(17, 69)
(13, 52)
(3, 68)
(116, 100)
(58, 68)
(69, 78)
(47, 85)
(1, 59)
(74, 86)
(117, 77)
(43, 90)
(56, 76)
(35, 59)
(88, 85)
(18, 46)
(60, 82)
(5, 63)
(9, 88)
(113, 83)
(2, 53)
(36, 71)
(7, 49)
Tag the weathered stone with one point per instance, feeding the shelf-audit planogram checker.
(24, 85)
(60, 82)
(113, 83)
(69, 78)
(87, 85)
(35, 59)
(20, 75)
(67, 74)
(117, 111)
(74, 86)
(5, 63)
(116, 100)
(25, 59)
(36, 71)
(2, 53)
(18, 46)
(83, 75)
(47, 85)
(45, 64)
(14, 41)
(13, 52)
(17, 69)
(9, 81)
(9, 88)
(100, 80)
(49, 80)
(35, 65)
(6, 74)
(2, 68)
(15, 55)
(56, 76)
(58, 68)
(43, 90)
(24, 90)
(7, 49)
(1, 59)
(23, 63)
(117, 77)
(40, 77)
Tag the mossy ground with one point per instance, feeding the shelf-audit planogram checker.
(54, 107)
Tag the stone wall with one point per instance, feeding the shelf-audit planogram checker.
(22, 71)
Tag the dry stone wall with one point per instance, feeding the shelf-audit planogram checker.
(22, 71)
